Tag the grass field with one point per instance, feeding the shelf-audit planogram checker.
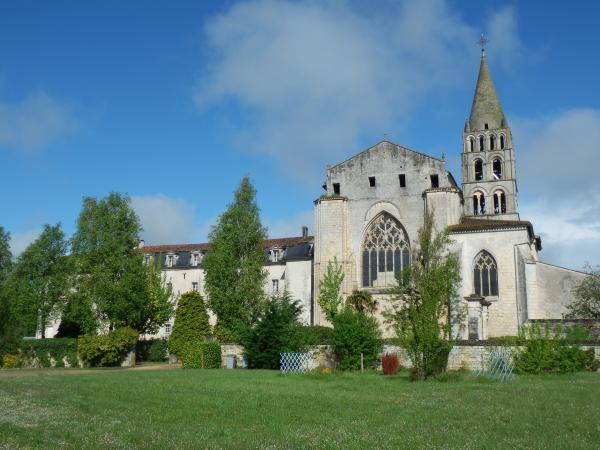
(260, 409)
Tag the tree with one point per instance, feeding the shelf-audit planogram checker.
(234, 263)
(6, 321)
(111, 277)
(38, 281)
(355, 333)
(330, 298)
(423, 299)
(191, 322)
(362, 301)
(277, 330)
(586, 304)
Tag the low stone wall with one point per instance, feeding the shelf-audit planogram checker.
(467, 356)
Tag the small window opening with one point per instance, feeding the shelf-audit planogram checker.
(497, 169)
(372, 181)
(502, 142)
(478, 170)
(478, 204)
(492, 142)
(275, 286)
(499, 203)
(402, 179)
(435, 181)
(480, 143)
(195, 286)
(472, 144)
(486, 126)
(336, 188)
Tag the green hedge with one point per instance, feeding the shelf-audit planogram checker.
(201, 355)
(108, 349)
(155, 350)
(356, 333)
(43, 350)
(316, 335)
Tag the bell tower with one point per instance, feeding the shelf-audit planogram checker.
(489, 179)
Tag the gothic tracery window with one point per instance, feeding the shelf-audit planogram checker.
(485, 275)
(385, 252)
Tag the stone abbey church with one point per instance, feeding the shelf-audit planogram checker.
(371, 212)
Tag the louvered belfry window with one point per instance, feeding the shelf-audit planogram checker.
(385, 252)
(485, 275)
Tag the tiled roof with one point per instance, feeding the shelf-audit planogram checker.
(471, 224)
(279, 242)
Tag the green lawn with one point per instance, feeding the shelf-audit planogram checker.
(240, 409)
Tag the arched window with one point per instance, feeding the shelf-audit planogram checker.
(478, 169)
(485, 275)
(481, 143)
(492, 142)
(497, 168)
(478, 203)
(471, 144)
(502, 141)
(385, 252)
(499, 202)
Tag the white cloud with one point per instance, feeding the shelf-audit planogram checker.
(311, 77)
(34, 123)
(504, 36)
(556, 162)
(20, 241)
(290, 226)
(165, 220)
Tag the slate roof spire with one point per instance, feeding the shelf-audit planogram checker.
(486, 107)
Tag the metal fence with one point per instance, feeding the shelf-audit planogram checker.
(300, 362)
(499, 365)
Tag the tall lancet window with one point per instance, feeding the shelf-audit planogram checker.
(478, 203)
(385, 252)
(485, 275)
(499, 202)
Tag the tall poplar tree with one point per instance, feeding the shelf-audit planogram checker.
(39, 281)
(234, 263)
(5, 267)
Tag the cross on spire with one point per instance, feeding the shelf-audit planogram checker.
(482, 41)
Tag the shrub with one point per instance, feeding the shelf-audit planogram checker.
(277, 330)
(316, 335)
(546, 351)
(108, 349)
(191, 322)
(356, 333)
(578, 334)
(41, 351)
(390, 363)
(10, 361)
(201, 355)
(155, 350)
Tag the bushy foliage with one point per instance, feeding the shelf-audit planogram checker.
(9, 361)
(390, 363)
(547, 351)
(7, 323)
(39, 352)
(356, 333)
(277, 330)
(155, 350)
(424, 301)
(107, 349)
(234, 264)
(362, 301)
(316, 335)
(330, 299)
(191, 322)
(586, 304)
(201, 355)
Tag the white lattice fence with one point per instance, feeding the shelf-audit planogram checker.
(300, 362)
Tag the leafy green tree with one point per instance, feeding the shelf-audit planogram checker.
(234, 263)
(362, 301)
(111, 277)
(39, 280)
(277, 330)
(330, 298)
(586, 304)
(355, 333)
(422, 300)
(6, 321)
(191, 322)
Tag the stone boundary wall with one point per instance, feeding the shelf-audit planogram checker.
(465, 356)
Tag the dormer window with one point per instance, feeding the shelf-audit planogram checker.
(147, 259)
(195, 259)
(275, 255)
(170, 260)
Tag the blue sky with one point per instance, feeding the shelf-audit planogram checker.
(173, 102)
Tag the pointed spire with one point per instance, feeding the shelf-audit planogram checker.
(486, 107)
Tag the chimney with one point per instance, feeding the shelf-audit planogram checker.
(141, 243)
(304, 231)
